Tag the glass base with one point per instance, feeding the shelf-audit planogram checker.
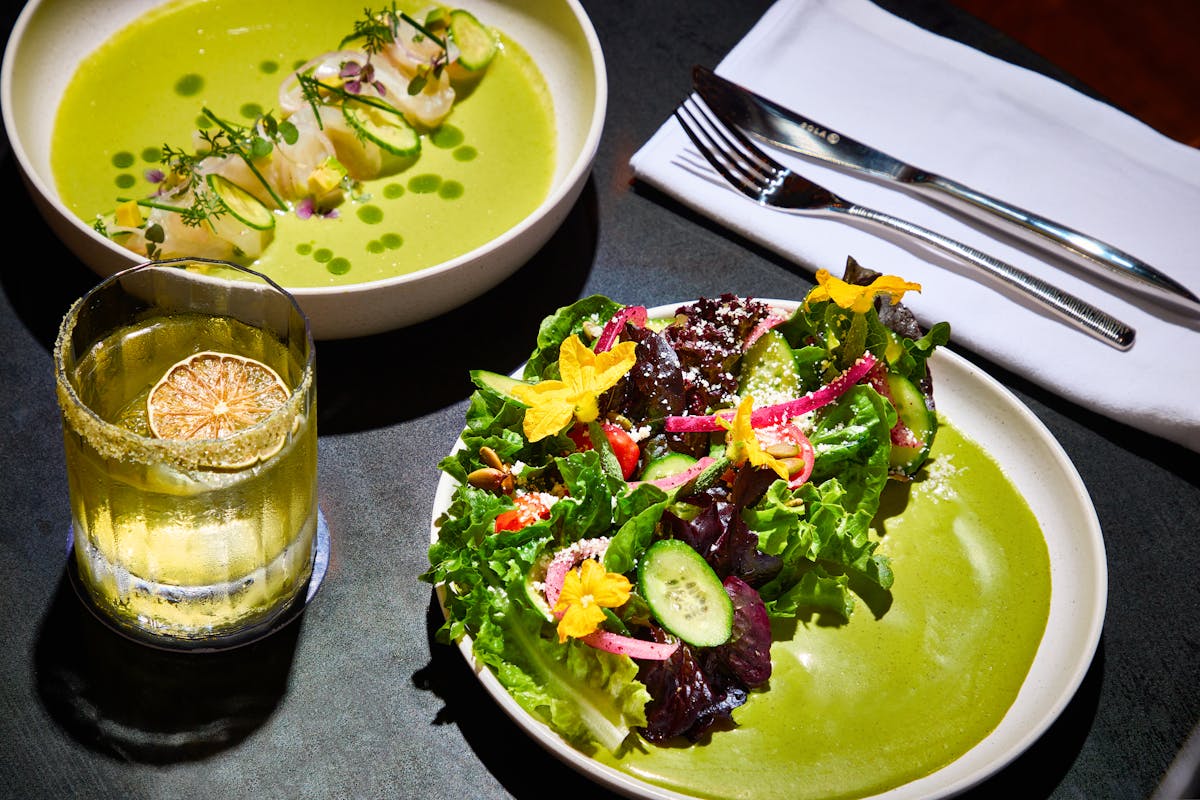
(218, 642)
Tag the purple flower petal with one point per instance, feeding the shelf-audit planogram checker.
(304, 210)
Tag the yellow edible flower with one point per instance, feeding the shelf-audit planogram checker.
(586, 592)
(743, 443)
(858, 299)
(128, 214)
(585, 376)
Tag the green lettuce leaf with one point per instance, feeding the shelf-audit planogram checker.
(822, 531)
(587, 695)
(594, 310)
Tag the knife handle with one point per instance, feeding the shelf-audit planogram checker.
(1079, 249)
(1079, 313)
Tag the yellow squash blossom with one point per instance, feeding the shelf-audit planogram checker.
(585, 376)
(586, 592)
(743, 443)
(858, 299)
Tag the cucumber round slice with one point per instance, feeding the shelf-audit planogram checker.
(476, 44)
(769, 369)
(669, 464)
(914, 411)
(684, 594)
(241, 205)
(390, 132)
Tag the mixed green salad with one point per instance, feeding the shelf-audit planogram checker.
(633, 512)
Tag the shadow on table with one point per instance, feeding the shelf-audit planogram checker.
(137, 703)
(525, 769)
(372, 381)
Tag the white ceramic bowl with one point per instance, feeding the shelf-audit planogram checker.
(51, 37)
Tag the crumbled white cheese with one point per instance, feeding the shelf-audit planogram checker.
(940, 476)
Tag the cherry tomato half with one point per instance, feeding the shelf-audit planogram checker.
(623, 446)
(531, 507)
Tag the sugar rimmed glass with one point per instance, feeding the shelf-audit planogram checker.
(187, 542)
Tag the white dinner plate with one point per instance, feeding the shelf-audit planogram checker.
(986, 412)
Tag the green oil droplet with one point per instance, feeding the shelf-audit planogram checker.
(424, 184)
(152, 155)
(189, 85)
(466, 153)
(125, 181)
(370, 214)
(375, 246)
(393, 190)
(269, 67)
(304, 249)
(251, 110)
(122, 160)
(446, 136)
(203, 122)
(322, 255)
(450, 190)
(392, 240)
(338, 266)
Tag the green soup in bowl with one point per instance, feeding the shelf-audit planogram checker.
(491, 183)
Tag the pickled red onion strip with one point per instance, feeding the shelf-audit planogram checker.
(608, 337)
(768, 322)
(809, 454)
(769, 415)
(671, 481)
(629, 646)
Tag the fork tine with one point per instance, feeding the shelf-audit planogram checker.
(708, 147)
(738, 142)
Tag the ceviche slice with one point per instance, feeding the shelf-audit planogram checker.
(635, 509)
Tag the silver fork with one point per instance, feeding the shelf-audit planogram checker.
(756, 175)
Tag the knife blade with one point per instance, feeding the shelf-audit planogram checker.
(770, 122)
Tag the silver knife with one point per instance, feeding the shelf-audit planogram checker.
(782, 127)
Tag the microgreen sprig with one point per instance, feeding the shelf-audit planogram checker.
(247, 144)
(378, 29)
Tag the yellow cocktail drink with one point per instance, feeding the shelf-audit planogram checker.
(184, 532)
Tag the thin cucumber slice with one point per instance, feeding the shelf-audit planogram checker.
(684, 594)
(707, 477)
(391, 132)
(669, 464)
(915, 413)
(494, 381)
(768, 370)
(241, 205)
(476, 44)
(535, 590)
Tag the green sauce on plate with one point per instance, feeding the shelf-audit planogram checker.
(486, 169)
(905, 687)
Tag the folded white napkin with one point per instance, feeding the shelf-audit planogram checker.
(1000, 129)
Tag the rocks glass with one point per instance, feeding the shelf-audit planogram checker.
(190, 530)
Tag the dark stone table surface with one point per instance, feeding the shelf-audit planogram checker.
(355, 699)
